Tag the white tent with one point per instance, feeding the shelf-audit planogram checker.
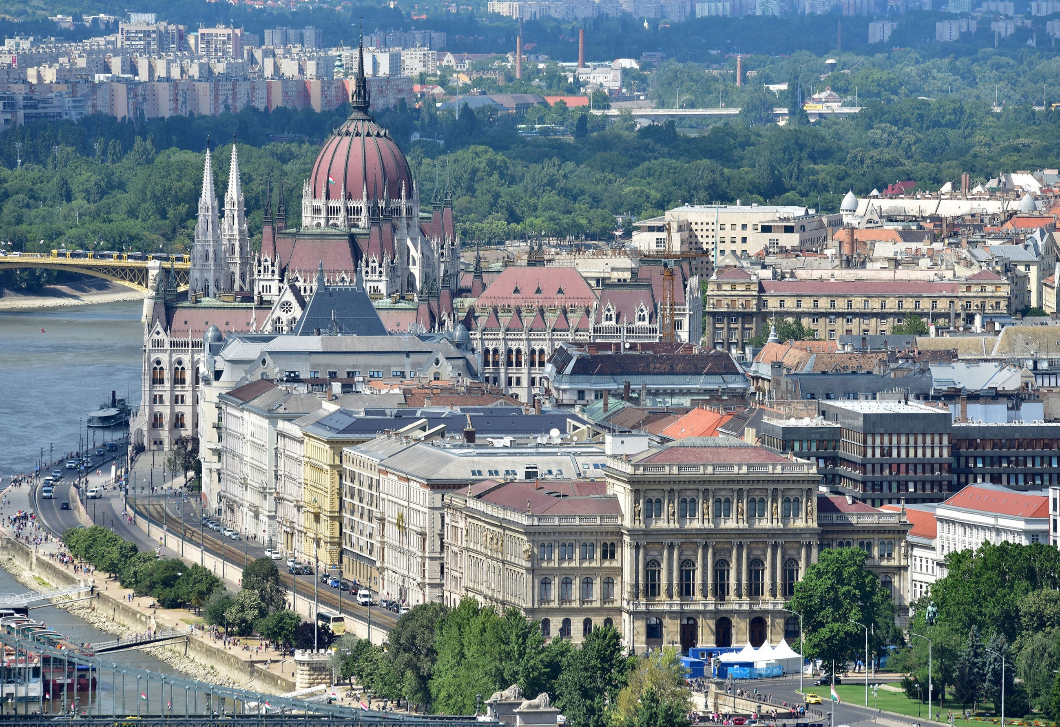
(735, 657)
(764, 654)
(747, 653)
(787, 658)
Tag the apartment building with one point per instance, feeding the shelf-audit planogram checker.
(1016, 455)
(151, 39)
(738, 305)
(220, 43)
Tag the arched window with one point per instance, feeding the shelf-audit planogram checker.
(758, 575)
(652, 576)
(180, 376)
(796, 507)
(496, 357)
(692, 511)
(519, 357)
(533, 358)
(178, 420)
(761, 507)
(546, 589)
(717, 507)
(608, 551)
(587, 627)
(888, 585)
(158, 421)
(588, 551)
(791, 576)
(587, 589)
(158, 374)
(564, 629)
(510, 358)
(791, 628)
(786, 508)
(866, 545)
(654, 629)
(721, 579)
(658, 507)
(688, 578)
(726, 507)
(609, 623)
(608, 593)
(541, 358)
(566, 590)
(546, 628)
(682, 507)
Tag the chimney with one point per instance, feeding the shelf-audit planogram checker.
(113, 398)
(625, 391)
(537, 405)
(739, 70)
(519, 57)
(850, 499)
(964, 409)
(469, 431)
(581, 48)
(643, 393)
(605, 402)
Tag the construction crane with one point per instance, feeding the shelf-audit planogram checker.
(666, 325)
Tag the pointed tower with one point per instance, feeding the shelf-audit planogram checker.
(281, 210)
(267, 269)
(234, 231)
(207, 256)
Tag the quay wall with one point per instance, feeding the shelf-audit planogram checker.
(227, 664)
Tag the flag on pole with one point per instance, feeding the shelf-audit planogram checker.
(268, 706)
(363, 705)
(330, 181)
(143, 696)
(835, 697)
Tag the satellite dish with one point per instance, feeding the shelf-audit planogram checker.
(553, 432)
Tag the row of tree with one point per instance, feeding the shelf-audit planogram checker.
(169, 581)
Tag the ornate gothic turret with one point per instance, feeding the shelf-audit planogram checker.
(208, 269)
(234, 231)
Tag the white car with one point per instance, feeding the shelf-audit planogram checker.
(95, 493)
(274, 554)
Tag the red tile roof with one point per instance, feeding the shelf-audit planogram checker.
(988, 275)
(713, 455)
(697, 423)
(520, 286)
(186, 321)
(733, 274)
(571, 498)
(924, 523)
(1001, 502)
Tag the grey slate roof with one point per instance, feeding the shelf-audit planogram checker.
(340, 310)
(853, 386)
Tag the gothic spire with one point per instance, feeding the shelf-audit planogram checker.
(235, 189)
(281, 206)
(208, 198)
(268, 200)
(360, 99)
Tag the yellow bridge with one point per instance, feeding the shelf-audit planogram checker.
(130, 269)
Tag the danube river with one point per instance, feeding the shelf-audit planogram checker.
(56, 366)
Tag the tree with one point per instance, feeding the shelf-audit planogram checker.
(661, 677)
(263, 578)
(244, 612)
(116, 556)
(911, 326)
(836, 592)
(968, 684)
(467, 658)
(184, 455)
(1038, 656)
(216, 607)
(134, 574)
(593, 675)
(787, 330)
(411, 649)
(1054, 701)
(279, 626)
(581, 127)
(303, 636)
(997, 649)
(654, 711)
(197, 585)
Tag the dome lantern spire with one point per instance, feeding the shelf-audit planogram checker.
(360, 98)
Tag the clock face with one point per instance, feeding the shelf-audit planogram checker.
(287, 307)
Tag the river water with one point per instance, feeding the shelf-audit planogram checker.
(56, 366)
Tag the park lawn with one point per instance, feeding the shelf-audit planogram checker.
(853, 693)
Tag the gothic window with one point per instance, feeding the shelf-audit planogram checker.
(178, 421)
(642, 315)
(587, 627)
(688, 578)
(682, 508)
(546, 589)
(518, 357)
(546, 628)
(541, 358)
(533, 358)
(608, 592)
(509, 359)
(653, 575)
(180, 375)
(587, 589)
(566, 590)
(157, 422)
(791, 576)
(721, 579)
(564, 629)
(158, 374)
(609, 314)
(758, 572)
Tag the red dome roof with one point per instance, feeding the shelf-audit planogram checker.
(361, 153)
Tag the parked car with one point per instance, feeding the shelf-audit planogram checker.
(325, 579)
(273, 554)
(95, 493)
(334, 582)
(305, 570)
(64, 505)
(227, 532)
(404, 610)
(235, 536)
(291, 561)
(346, 586)
(364, 597)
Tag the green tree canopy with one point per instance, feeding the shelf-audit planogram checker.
(278, 626)
(263, 578)
(658, 679)
(911, 326)
(594, 674)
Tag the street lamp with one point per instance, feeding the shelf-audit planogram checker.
(1002, 656)
(866, 662)
(930, 645)
(802, 648)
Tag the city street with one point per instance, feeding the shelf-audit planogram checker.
(786, 690)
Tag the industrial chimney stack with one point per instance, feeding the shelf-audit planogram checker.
(581, 48)
(739, 70)
(519, 57)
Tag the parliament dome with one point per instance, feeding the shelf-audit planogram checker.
(360, 155)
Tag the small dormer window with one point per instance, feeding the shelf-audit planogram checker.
(609, 315)
(538, 290)
(516, 291)
(642, 315)
(559, 290)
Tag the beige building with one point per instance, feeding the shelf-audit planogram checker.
(552, 549)
(738, 305)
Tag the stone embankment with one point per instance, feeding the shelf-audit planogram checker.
(196, 656)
